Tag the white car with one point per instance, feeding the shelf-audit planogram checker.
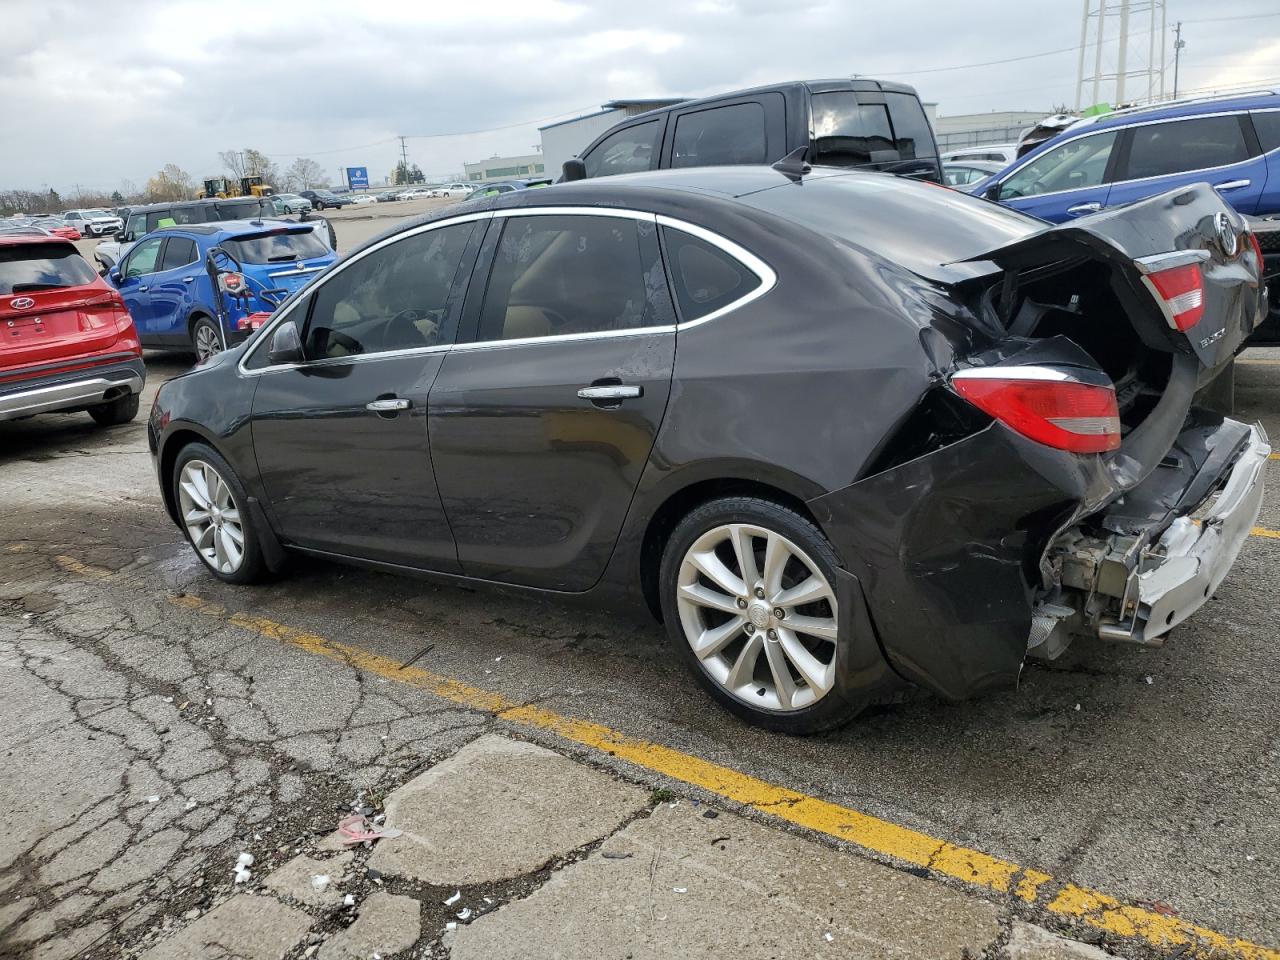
(417, 193)
(994, 152)
(362, 198)
(93, 223)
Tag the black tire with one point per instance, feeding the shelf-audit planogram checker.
(118, 411)
(204, 329)
(252, 568)
(837, 707)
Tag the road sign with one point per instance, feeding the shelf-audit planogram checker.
(357, 177)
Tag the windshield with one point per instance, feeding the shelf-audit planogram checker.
(42, 266)
(276, 247)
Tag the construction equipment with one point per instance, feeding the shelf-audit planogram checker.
(223, 188)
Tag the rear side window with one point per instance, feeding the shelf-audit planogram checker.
(627, 151)
(554, 276)
(911, 132)
(722, 136)
(705, 278)
(279, 247)
(395, 298)
(1160, 149)
(42, 266)
(178, 252)
(1267, 123)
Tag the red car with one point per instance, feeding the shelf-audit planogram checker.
(59, 228)
(66, 340)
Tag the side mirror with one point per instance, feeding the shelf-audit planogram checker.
(286, 346)
(574, 169)
(992, 192)
(114, 274)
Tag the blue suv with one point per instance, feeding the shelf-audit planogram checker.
(1230, 142)
(206, 286)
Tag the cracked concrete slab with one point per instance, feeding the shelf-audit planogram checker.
(1028, 942)
(244, 927)
(297, 879)
(679, 884)
(497, 809)
(386, 924)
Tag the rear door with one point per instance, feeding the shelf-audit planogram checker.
(173, 286)
(134, 285)
(544, 414)
(1067, 181)
(1220, 150)
(743, 130)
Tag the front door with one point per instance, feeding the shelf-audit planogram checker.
(341, 439)
(542, 422)
(173, 286)
(135, 286)
(1065, 182)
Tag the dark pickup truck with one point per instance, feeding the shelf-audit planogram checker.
(869, 124)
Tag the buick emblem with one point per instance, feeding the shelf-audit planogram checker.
(21, 303)
(1227, 238)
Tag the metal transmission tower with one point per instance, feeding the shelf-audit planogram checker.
(1125, 39)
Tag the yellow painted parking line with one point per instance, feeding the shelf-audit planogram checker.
(72, 565)
(1262, 361)
(1264, 532)
(881, 836)
(1273, 456)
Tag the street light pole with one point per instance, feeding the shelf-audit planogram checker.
(1178, 44)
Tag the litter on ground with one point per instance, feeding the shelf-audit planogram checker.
(457, 895)
(357, 829)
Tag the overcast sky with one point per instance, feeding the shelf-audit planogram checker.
(96, 93)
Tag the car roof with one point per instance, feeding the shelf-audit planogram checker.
(225, 229)
(19, 239)
(863, 84)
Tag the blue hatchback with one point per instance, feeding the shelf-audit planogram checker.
(1232, 143)
(206, 286)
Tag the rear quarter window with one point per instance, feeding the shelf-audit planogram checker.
(276, 247)
(705, 278)
(42, 266)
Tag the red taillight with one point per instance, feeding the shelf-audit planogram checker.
(1257, 251)
(1045, 405)
(1181, 294)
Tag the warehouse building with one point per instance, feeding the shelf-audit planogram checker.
(567, 138)
(505, 168)
(977, 129)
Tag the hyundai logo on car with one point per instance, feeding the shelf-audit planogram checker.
(21, 303)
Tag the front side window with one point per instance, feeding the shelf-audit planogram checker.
(705, 278)
(1160, 149)
(143, 258)
(137, 225)
(722, 136)
(558, 275)
(1076, 164)
(395, 298)
(911, 132)
(847, 133)
(178, 252)
(627, 151)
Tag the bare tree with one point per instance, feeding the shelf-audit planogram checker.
(233, 161)
(250, 163)
(303, 174)
(171, 183)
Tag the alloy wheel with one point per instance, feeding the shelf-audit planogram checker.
(760, 616)
(207, 342)
(212, 516)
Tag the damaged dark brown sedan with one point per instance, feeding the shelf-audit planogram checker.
(841, 431)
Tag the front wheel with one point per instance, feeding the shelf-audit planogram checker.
(749, 601)
(213, 510)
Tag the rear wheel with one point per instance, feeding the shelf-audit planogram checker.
(117, 411)
(213, 510)
(749, 600)
(205, 338)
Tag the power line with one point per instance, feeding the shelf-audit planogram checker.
(1247, 16)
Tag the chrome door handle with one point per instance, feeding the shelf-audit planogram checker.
(612, 391)
(142, 289)
(188, 279)
(1231, 185)
(1080, 208)
(382, 406)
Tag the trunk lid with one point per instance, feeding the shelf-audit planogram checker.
(1190, 225)
(56, 325)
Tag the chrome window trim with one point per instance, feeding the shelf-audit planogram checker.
(1132, 126)
(1166, 261)
(1029, 372)
(264, 333)
(768, 279)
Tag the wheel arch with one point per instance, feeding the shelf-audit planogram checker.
(679, 503)
(181, 436)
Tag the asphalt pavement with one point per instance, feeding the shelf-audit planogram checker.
(158, 723)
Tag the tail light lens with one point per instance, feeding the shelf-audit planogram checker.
(1180, 291)
(1045, 405)
(1257, 251)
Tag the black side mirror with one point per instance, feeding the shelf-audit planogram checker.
(992, 192)
(286, 346)
(574, 169)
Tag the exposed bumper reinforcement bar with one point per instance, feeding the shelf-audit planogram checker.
(1178, 573)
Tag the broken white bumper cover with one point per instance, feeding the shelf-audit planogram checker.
(1179, 573)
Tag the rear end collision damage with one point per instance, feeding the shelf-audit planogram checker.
(1113, 504)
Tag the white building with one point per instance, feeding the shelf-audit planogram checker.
(506, 168)
(567, 138)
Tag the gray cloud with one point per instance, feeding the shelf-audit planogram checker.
(94, 93)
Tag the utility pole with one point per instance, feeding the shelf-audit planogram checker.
(1178, 44)
(404, 159)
